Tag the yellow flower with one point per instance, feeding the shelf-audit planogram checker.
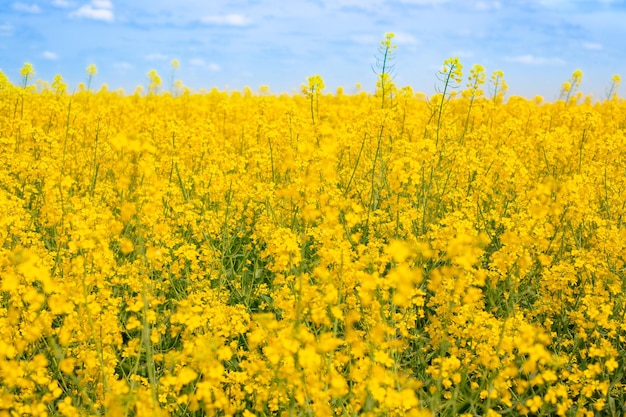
(67, 365)
(186, 375)
(126, 246)
(534, 404)
(611, 364)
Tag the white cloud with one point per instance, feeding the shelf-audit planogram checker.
(574, 3)
(424, 2)
(96, 10)
(90, 12)
(548, 3)
(487, 5)
(592, 46)
(402, 38)
(365, 39)
(123, 66)
(226, 20)
(376, 5)
(61, 3)
(369, 5)
(199, 62)
(102, 4)
(26, 8)
(51, 56)
(6, 30)
(156, 57)
(530, 59)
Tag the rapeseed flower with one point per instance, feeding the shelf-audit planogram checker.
(254, 254)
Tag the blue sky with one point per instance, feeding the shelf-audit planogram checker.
(232, 44)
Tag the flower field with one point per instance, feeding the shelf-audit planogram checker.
(249, 253)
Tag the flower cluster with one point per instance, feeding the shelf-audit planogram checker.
(317, 254)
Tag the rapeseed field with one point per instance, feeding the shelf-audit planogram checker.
(180, 253)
